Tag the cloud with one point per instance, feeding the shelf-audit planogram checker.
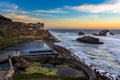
(17, 11)
(6, 5)
(57, 10)
(22, 12)
(108, 7)
(22, 18)
(12, 8)
(45, 15)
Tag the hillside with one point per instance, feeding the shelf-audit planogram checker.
(8, 28)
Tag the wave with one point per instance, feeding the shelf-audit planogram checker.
(105, 58)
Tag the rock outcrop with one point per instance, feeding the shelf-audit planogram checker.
(20, 29)
(81, 33)
(103, 33)
(89, 39)
(21, 62)
(62, 51)
(2, 18)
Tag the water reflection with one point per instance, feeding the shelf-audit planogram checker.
(24, 48)
(4, 66)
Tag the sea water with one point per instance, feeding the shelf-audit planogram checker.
(104, 57)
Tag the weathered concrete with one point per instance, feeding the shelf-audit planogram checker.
(55, 59)
(21, 62)
(91, 74)
(10, 72)
(63, 52)
(2, 74)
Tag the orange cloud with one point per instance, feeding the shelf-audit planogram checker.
(23, 18)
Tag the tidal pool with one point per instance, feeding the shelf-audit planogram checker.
(36, 47)
(50, 71)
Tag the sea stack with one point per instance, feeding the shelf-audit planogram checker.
(81, 33)
(89, 39)
(104, 33)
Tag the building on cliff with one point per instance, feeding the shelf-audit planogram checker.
(18, 29)
(37, 25)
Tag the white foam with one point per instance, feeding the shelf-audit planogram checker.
(105, 58)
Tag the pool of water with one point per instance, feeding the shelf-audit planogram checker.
(53, 69)
(4, 65)
(26, 48)
(64, 70)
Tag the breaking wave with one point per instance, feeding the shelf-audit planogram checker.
(104, 57)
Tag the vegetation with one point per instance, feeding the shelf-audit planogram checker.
(35, 68)
(35, 71)
(4, 42)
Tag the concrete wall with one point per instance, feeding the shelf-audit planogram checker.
(92, 75)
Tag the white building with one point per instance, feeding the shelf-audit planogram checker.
(37, 25)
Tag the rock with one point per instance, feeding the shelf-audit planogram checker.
(62, 51)
(21, 62)
(81, 33)
(104, 33)
(4, 18)
(95, 34)
(89, 39)
(112, 33)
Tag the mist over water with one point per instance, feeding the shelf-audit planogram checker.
(104, 57)
(89, 31)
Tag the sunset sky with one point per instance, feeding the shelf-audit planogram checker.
(87, 14)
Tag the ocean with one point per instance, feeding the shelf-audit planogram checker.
(105, 58)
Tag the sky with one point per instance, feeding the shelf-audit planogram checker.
(74, 14)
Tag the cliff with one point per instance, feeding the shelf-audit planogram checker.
(4, 18)
(8, 28)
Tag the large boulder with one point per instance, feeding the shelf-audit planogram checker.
(89, 39)
(104, 32)
(2, 18)
(81, 33)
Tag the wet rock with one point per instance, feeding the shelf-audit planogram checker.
(104, 33)
(21, 62)
(81, 33)
(112, 33)
(62, 51)
(89, 39)
(4, 18)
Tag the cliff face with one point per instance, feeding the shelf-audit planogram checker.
(18, 29)
(4, 18)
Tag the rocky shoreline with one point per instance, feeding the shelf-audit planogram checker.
(22, 29)
(63, 52)
(66, 53)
